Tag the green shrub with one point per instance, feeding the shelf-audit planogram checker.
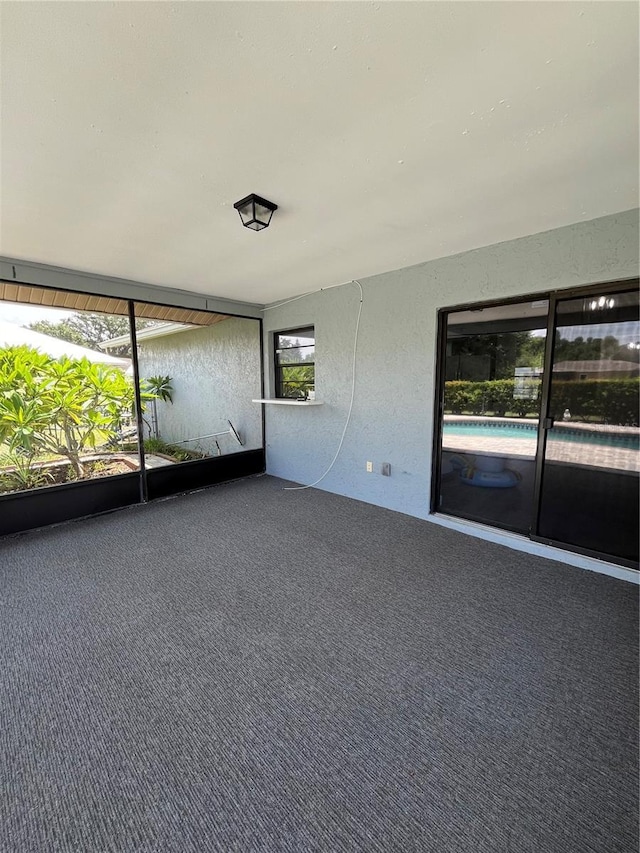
(180, 454)
(460, 396)
(59, 407)
(155, 445)
(500, 399)
(19, 471)
(613, 401)
(495, 396)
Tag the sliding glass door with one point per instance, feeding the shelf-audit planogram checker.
(589, 475)
(493, 360)
(538, 419)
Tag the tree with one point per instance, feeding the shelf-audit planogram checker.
(90, 330)
(530, 350)
(494, 356)
(60, 329)
(153, 388)
(61, 407)
(297, 379)
(595, 349)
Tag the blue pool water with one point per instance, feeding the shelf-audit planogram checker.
(497, 431)
(628, 441)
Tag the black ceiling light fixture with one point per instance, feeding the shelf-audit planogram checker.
(255, 211)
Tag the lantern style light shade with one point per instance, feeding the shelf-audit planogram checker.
(255, 211)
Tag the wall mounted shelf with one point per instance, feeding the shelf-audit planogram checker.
(283, 402)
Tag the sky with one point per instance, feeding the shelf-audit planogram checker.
(24, 315)
(627, 333)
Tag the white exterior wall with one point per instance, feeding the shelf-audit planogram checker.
(393, 411)
(215, 373)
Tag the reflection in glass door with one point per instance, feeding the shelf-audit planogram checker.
(590, 471)
(493, 366)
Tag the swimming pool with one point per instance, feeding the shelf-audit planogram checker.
(498, 430)
(620, 437)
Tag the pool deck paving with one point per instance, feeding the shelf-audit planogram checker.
(582, 452)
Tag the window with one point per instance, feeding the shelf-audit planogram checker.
(295, 362)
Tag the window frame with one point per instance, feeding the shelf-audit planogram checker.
(300, 331)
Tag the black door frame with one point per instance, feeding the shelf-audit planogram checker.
(440, 357)
(620, 286)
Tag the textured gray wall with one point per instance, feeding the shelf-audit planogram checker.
(215, 373)
(392, 418)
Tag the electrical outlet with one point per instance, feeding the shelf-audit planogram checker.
(370, 467)
(386, 469)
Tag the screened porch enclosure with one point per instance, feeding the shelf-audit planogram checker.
(106, 403)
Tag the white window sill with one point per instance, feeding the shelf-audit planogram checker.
(281, 401)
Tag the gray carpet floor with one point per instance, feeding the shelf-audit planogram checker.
(250, 669)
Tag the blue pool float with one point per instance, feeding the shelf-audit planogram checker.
(504, 479)
(488, 471)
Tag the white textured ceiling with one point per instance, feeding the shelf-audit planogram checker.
(389, 134)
